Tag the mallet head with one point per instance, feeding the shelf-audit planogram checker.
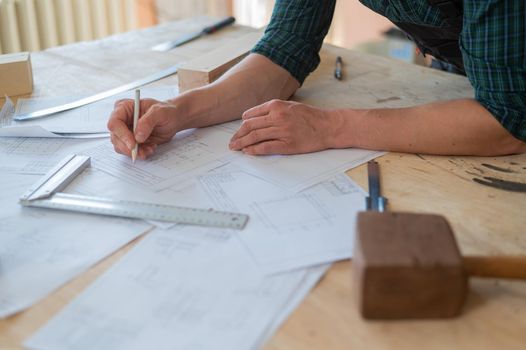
(407, 266)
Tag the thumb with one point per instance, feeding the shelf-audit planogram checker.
(147, 123)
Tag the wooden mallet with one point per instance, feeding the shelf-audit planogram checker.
(408, 265)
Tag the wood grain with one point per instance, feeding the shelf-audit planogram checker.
(407, 265)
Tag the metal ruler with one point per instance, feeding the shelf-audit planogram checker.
(97, 97)
(46, 194)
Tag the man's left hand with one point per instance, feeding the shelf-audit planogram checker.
(282, 127)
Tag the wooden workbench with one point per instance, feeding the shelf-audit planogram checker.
(483, 198)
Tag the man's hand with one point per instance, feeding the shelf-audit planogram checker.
(282, 127)
(157, 124)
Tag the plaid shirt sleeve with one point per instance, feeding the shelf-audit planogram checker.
(295, 34)
(493, 44)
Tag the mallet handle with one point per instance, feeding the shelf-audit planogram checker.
(496, 266)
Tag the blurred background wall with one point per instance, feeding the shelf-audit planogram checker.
(33, 25)
(353, 23)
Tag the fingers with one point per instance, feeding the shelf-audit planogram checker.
(153, 117)
(267, 148)
(255, 136)
(120, 120)
(119, 146)
(146, 150)
(262, 109)
(250, 125)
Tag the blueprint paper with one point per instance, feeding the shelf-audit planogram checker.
(189, 154)
(183, 288)
(41, 249)
(38, 155)
(293, 173)
(287, 232)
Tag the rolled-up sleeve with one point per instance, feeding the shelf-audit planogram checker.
(493, 44)
(295, 34)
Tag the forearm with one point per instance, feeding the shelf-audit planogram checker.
(253, 81)
(457, 127)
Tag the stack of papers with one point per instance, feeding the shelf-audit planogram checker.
(181, 287)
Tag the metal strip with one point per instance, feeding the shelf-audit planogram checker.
(141, 210)
(57, 178)
(97, 97)
(375, 201)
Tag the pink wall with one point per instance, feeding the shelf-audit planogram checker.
(354, 23)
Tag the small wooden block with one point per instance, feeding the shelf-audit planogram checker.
(16, 77)
(407, 266)
(208, 68)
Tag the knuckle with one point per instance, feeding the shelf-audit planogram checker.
(280, 115)
(111, 124)
(156, 108)
(120, 102)
(250, 125)
(275, 103)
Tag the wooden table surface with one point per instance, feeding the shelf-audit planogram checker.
(483, 198)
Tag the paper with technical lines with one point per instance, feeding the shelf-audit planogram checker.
(34, 155)
(189, 154)
(183, 288)
(294, 173)
(41, 249)
(195, 152)
(290, 231)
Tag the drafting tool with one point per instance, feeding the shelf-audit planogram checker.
(97, 97)
(136, 110)
(166, 46)
(374, 201)
(46, 194)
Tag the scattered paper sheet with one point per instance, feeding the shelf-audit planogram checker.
(185, 288)
(190, 153)
(294, 173)
(42, 249)
(311, 278)
(84, 122)
(286, 232)
(38, 155)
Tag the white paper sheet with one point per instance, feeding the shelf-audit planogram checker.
(42, 249)
(185, 288)
(82, 122)
(190, 153)
(311, 278)
(38, 155)
(287, 232)
(294, 173)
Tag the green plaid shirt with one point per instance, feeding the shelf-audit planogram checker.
(492, 42)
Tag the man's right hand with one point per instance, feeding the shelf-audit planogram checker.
(157, 125)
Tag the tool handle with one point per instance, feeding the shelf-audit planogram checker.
(221, 24)
(513, 267)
